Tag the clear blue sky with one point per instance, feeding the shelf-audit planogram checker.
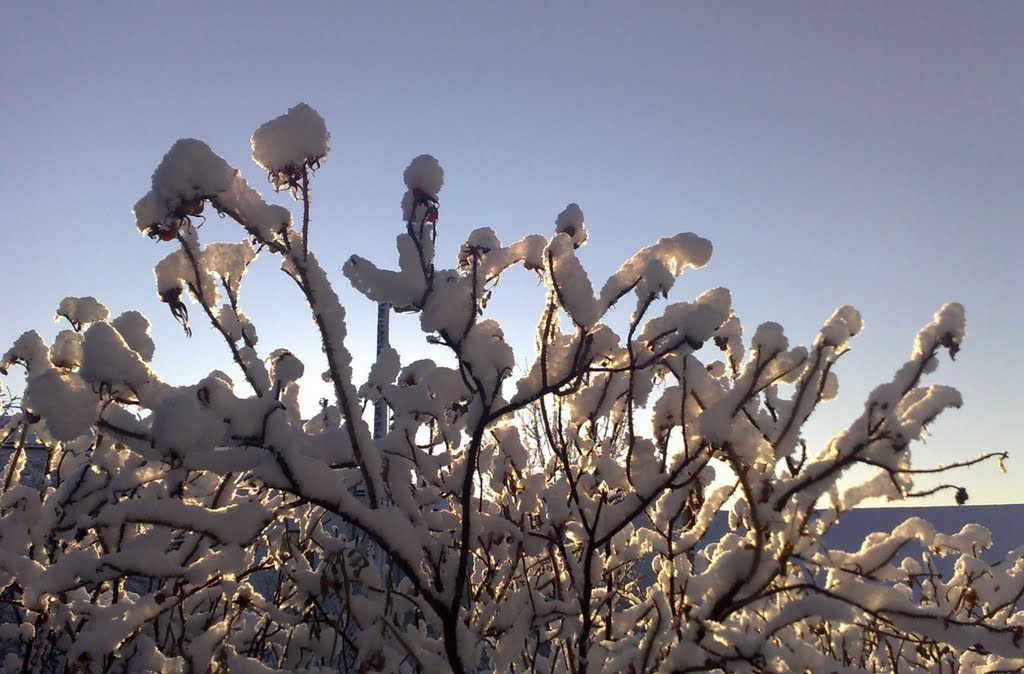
(862, 153)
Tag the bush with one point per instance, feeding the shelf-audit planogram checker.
(559, 522)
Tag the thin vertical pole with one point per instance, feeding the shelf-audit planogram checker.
(380, 408)
(380, 427)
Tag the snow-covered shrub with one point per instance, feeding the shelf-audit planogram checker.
(556, 521)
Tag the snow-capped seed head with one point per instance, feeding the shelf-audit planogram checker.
(655, 279)
(134, 328)
(229, 261)
(157, 220)
(424, 174)
(844, 323)
(107, 358)
(66, 351)
(81, 310)
(479, 242)
(947, 329)
(484, 237)
(287, 143)
(424, 178)
(719, 299)
(770, 338)
(150, 212)
(65, 401)
(29, 350)
(172, 296)
(570, 222)
(191, 171)
(285, 366)
(214, 390)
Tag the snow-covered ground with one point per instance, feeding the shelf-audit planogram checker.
(1004, 521)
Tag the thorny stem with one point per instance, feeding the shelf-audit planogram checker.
(633, 324)
(305, 211)
(345, 403)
